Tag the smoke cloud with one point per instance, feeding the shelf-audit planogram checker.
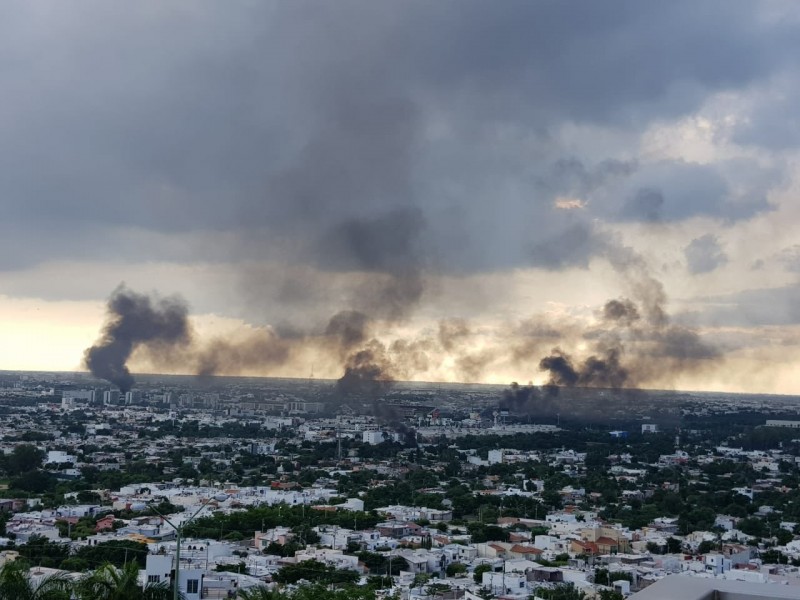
(596, 371)
(135, 320)
(367, 372)
(634, 342)
(519, 398)
(631, 342)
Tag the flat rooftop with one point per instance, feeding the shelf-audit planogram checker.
(678, 587)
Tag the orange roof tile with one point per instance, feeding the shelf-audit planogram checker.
(519, 549)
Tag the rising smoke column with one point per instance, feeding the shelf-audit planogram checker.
(637, 330)
(385, 247)
(604, 370)
(519, 398)
(135, 320)
(262, 348)
(367, 372)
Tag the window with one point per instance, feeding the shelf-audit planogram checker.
(192, 585)
(153, 579)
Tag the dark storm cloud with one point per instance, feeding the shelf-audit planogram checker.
(704, 254)
(571, 177)
(384, 243)
(676, 190)
(575, 246)
(645, 204)
(291, 123)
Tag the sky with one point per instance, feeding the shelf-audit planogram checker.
(487, 184)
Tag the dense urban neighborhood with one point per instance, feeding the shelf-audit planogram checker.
(246, 487)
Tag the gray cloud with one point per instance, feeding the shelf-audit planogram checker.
(336, 157)
(704, 254)
(790, 258)
(574, 246)
(285, 122)
(752, 308)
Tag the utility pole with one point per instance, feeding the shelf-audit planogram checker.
(504, 576)
(179, 536)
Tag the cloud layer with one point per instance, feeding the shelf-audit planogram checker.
(294, 160)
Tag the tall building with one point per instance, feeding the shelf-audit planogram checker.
(70, 398)
(111, 397)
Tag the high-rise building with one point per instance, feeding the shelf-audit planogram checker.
(70, 398)
(110, 397)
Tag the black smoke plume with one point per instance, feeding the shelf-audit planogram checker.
(347, 329)
(596, 371)
(367, 372)
(519, 398)
(385, 247)
(561, 370)
(621, 311)
(135, 320)
(366, 364)
(634, 342)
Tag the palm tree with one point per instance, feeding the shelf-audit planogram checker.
(159, 591)
(309, 592)
(17, 584)
(112, 583)
(261, 592)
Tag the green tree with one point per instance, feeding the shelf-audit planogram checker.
(420, 579)
(240, 567)
(24, 458)
(285, 550)
(477, 574)
(73, 563)
(565, 591)
(437, 588)
(305, 534)
(43, 552)
(673, 545)
(88, 497)
(118, 553)
(110, 583)
(315, 572)
(378, 564)
(705, 547)
(773, 557)
(262, 593)
(309, 592)
(653, 548)
(783, 536)
(34, 481)
(752, 526)
(16, 584)
(455, 568)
